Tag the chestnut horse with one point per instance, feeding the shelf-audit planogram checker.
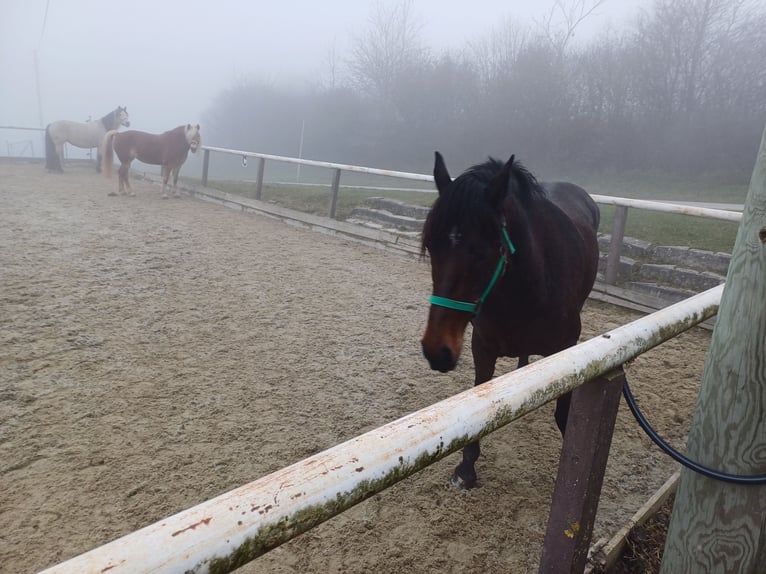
(514, 257)
(169, 149)
(80, 134)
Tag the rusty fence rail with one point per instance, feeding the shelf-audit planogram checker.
(232, 529)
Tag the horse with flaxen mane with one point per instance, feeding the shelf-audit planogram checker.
(169, 149)
(514, 257)
(84, 135)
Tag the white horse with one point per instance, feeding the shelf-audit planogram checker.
(85, 135)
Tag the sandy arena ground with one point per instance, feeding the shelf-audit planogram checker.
(156, 353)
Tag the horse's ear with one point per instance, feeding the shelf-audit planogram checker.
(188, 126)
(499, 186)
(197, 127)
(441, 175)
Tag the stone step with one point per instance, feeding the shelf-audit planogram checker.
(398, 208)
(678, 255)
(386, 218)
(664, 292)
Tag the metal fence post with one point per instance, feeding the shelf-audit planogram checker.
(334, 192)
(615, 247)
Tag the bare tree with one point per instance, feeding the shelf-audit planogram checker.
(331, 68)
(497, 54)
(678, 44)
(562, 20)
(389, 46)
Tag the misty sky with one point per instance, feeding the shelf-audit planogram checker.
(167, 60)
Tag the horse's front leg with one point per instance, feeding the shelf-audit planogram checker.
(562, 403)
(562, 411)
(165, 176)
(465, 473)
(174, 172)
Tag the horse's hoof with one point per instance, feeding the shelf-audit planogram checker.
(164, 196)
(461, 483)
(112, 194)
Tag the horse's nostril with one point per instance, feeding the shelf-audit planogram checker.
(442, 360)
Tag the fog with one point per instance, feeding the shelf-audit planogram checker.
(166, 61)
(616, 86)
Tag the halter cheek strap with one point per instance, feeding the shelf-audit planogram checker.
(474, 308)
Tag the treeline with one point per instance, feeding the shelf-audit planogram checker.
(682, 90)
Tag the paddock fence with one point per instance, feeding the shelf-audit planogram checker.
(606, 289)
(230, 530)
(21, 142)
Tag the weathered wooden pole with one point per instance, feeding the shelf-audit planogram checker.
(259, 177)
(615, 246)
(584, 454)
(716, 526)
(205, 166)
(334, 193)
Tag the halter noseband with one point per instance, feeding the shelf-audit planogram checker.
(474, 308)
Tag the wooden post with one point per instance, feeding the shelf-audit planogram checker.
(615, 247)
(716, 526)
(592, 414)
(334, 192)
(205, 166)
(259, 177)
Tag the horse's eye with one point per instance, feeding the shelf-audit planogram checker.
(479, 252)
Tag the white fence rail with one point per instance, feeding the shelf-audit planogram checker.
(618, 225)
(223, 533)
(666, 207)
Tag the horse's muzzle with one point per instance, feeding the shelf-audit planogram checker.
(441, 360)
(126, 124)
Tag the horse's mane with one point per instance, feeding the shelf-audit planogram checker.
(108, 120)
(467, 200)
(180, 129)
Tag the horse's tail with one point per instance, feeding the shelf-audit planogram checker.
(107, 153)
(52, 161)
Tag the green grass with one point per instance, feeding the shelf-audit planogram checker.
(671, 229)
(657, 228)
(316, 200)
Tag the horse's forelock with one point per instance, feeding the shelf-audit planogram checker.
(192, 135)
(192, 132)
(463, 205)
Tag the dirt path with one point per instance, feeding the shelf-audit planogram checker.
(154, 354)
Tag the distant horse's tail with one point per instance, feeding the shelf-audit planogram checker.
(52, 159)
(107, 153)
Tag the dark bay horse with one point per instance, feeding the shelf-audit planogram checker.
(169, 149)
(85, 135)
(514, 257)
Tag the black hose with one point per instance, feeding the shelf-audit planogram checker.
(758, 479)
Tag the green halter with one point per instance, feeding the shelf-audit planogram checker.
(474, 308)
